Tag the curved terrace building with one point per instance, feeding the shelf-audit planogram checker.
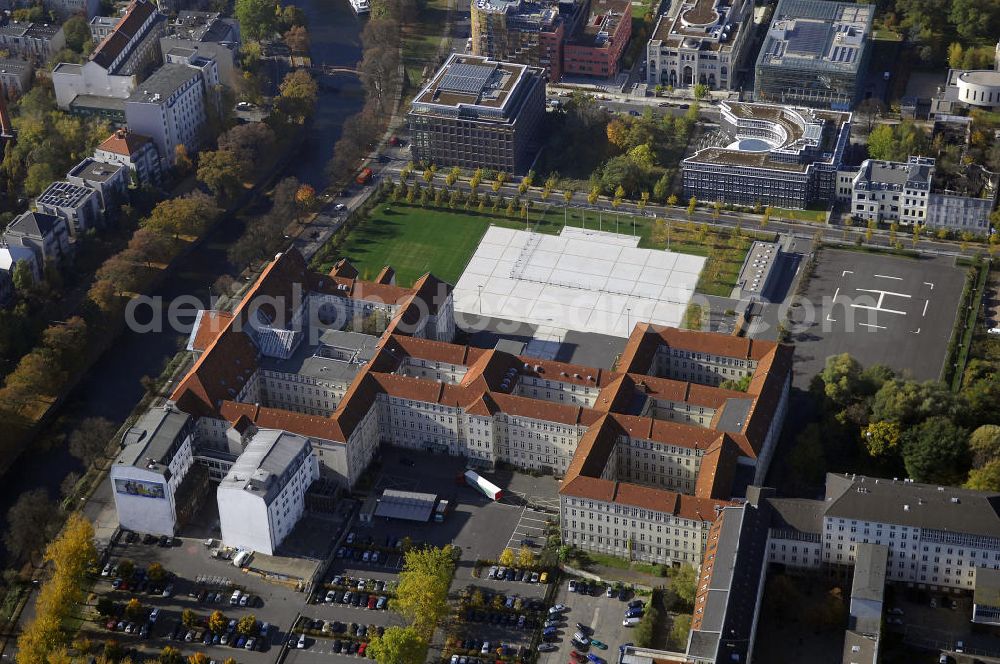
(780, 156)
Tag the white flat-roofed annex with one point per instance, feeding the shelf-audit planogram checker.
(585, 280)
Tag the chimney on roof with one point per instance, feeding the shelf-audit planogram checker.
(120, 133)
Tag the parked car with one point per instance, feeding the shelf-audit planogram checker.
(546, 647)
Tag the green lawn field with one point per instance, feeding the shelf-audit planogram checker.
(415, 240)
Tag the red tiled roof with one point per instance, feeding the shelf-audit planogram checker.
(718, 466)
(386, 276)
(124, 142)
(209, 327)
(576, 374)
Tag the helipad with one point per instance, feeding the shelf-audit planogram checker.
(582, 280)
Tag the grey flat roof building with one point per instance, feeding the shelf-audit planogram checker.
(906, 503)
(815, 53)
(731, 572)
(408, 505)
(167, 80)
(152, 441)
(269, 457)
(337, 356)
(477, 112)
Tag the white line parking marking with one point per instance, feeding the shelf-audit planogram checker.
(926, 302)
(877, 327)
(917, 331)
(846, 272)
(886, 276)
(927, 283)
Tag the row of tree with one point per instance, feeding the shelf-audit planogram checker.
(422, 599)
(379, 73)
(71, 556)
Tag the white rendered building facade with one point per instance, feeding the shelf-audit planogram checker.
(937, 536)
(263, 495)
(156, 456)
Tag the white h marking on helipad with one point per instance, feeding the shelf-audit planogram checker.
(886, 276)
(877, 327)
(881, 298)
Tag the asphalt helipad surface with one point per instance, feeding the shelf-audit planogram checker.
(881, 309)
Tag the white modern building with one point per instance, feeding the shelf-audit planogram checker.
(46, 235)
(969, 89)
(171, 107)
(155, 458)
(109, 179)
(700, 42)
(135, 152)
(78, 204)
(263, 495)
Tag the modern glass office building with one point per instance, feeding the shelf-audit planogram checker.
(815, 54)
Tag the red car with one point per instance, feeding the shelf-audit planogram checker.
(361, 648)
(111, 624)
(579, 656)
(371, 601)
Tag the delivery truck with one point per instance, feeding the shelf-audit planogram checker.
(477, 481)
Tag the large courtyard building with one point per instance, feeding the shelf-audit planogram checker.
(815, 53)
(781, 156)
(702, 42)
(649, 451)
(596, 46)
(479, 113)
(522, 31)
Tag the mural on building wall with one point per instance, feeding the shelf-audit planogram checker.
(140, 488)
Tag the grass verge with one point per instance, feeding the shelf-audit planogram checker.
(965, 324)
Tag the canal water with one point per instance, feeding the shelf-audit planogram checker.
(112, 387)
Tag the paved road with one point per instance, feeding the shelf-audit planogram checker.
(798, 230)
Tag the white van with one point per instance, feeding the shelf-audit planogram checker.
(631, 622)
(235, 599)
(242, 559)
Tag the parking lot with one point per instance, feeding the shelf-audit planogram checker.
(937, 621)
(203, 585)
(603, 614)
(479, 527)
(881, 309)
